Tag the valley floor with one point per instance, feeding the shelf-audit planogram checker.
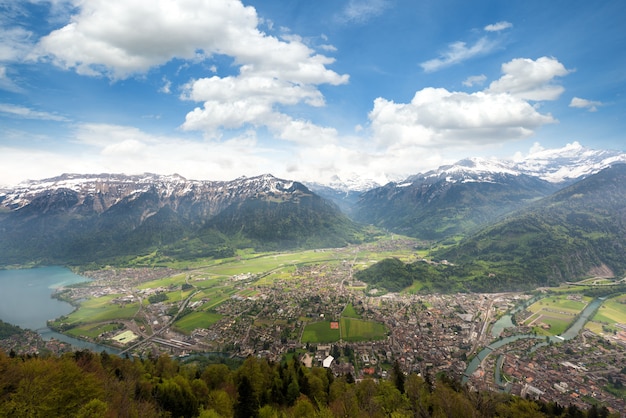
(308, 304)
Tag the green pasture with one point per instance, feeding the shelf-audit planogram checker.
(559, 303)
(320, 332)
(214, 296)
(196, 320)
(91, 331)
(361, 330)
(166, 282)
(102, 309)
(557, 311)
(611, 312)
(178, 295)
(350, 312)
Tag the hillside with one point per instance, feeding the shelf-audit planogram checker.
(437, 205)
(461, 198)
(578, 232)
(76, 219)
(86, 384)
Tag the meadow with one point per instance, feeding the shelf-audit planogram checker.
(610, 313)
(552, 315)
(101, 309)
(196, 320)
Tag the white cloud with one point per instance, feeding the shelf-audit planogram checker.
(166, 87)
(120, 148)
(474, 79)
(458, 52)
(497, 27)
(26, 113)
(436, 117)
(590, 105)
(119, 38)
(15, 43)
(360, 11)
(530, 80)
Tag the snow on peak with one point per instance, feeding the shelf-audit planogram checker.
(570, 162)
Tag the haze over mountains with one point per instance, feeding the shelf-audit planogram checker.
(508, 213)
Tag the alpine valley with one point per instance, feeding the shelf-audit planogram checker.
(500, 225)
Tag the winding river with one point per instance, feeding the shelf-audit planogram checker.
(569, 334)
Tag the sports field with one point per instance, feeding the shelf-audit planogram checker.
(320, 332)
(360, 330)
(350, 328)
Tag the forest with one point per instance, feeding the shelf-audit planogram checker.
(88, 384)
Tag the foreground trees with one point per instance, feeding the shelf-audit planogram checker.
(86, 384)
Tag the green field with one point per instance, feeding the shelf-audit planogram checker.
(101, 309)
(360, 330)
(320, 332)
(556, 311)
(351, 329)
(196, 320)
(611, 312)
(91, 331)
(350, 312)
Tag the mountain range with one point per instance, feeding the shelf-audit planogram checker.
(86, 218)
(513, 217)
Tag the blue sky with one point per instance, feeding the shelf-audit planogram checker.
(304, 90)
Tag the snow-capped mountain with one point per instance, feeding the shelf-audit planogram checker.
(91, 217)
(101, 191)
(473, 192)
(563, 165)
(571, 162)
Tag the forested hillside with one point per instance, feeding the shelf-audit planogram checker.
(578, 232)
(87, 384)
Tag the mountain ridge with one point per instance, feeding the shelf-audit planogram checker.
(72, 218)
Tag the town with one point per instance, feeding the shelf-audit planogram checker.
(272, 315)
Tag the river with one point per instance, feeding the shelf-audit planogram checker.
(571, 333)
(25, 300)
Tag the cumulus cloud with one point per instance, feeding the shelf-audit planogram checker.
(27, 113)
(437, 117)
(497, 27)
(120, 38)
(530, 79)
(590, 105)
(458, 52)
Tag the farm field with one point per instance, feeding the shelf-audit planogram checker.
(91, 331)
(553, 314)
